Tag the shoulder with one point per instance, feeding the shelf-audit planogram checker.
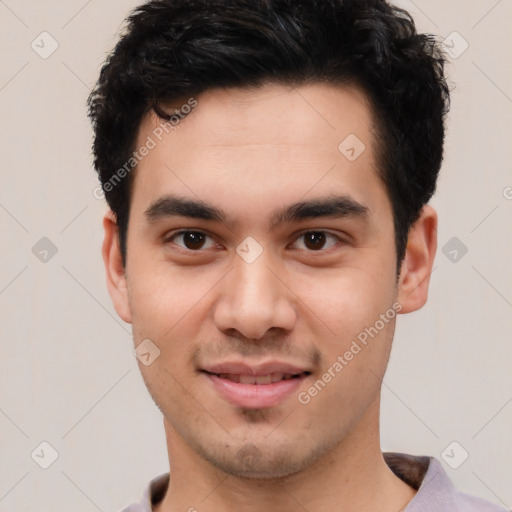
(435, 490)
(461, 502)
(153, 493)
(468, 503)
(134, 507)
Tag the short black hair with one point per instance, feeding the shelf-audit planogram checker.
(173, 49)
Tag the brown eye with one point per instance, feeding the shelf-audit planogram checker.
(314, 240)
(317, 240)
(192, 240)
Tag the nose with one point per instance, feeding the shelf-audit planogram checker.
(254, 301)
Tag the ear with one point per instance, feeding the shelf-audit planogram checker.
(116, 278)
(419, 258)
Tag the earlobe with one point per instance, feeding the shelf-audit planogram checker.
(419, 258)
(115, 272)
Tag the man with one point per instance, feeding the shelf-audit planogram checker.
(268, 167)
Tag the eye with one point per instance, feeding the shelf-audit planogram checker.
(191, 240)
(316, 240)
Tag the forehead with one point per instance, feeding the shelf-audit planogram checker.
(317, 114)
(252, 147)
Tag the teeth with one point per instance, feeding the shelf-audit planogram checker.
(263, 379)
(230, 376)
(260, 379)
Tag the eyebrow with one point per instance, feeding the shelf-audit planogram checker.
(337, 206)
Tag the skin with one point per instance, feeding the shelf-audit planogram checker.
(250, 152)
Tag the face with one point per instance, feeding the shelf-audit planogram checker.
(261, 264)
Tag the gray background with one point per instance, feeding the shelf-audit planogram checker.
(67, 372)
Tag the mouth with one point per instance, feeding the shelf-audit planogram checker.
(259, 387)
(260, 380)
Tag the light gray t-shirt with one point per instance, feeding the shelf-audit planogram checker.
(435, 491)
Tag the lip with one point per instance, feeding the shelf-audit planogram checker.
(255, 396)
(242, 368)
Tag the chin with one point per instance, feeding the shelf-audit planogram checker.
(253, 462)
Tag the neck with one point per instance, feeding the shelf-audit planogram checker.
(352, 477)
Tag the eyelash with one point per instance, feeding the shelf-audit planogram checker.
(184, 231)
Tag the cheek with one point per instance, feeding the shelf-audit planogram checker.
(355, 359)
(347, 307)
(163, 298)
(345, 301)
(169, 307)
